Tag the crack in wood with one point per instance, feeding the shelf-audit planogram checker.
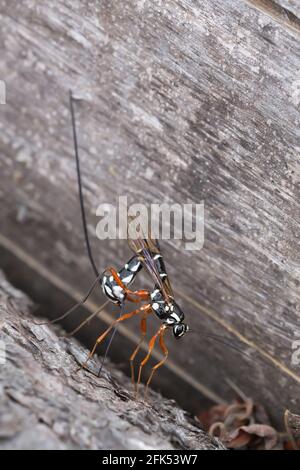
(105, 316)
(46, 405)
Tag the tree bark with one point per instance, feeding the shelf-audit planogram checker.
(46, 404)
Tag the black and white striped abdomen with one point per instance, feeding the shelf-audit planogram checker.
(127, 274)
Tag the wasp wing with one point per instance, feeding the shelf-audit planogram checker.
(147, 249)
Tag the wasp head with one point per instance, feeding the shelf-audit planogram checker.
(180, 329)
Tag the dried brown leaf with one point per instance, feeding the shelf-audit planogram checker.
(212, 415)
(241, 424)
(245, 434)
(292, 421)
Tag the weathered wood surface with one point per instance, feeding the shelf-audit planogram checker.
(290, 6)
(180, 101)
(45, 404)
(286, 12)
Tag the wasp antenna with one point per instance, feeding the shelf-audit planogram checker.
(222, 340)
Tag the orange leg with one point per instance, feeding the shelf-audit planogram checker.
(132, 296)
(150, 349)
(126, 316)
(165, 351)
(143, 327)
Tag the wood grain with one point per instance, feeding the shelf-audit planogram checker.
(285, 12)
(178, 101)
(291, 6)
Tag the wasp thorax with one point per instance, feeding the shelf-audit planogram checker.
(174, 314)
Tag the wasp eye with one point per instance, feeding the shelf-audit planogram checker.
(180, 329)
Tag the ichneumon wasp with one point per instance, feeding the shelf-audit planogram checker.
(160, 301)
(115, 285)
